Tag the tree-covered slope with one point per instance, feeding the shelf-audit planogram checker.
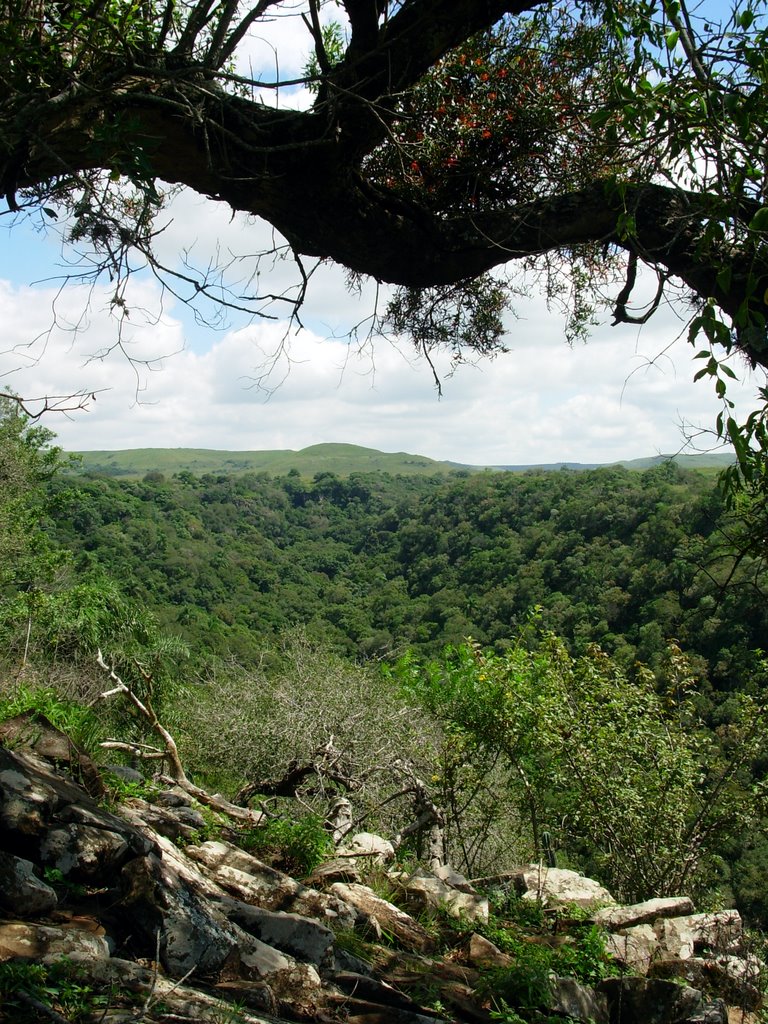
(379, 563)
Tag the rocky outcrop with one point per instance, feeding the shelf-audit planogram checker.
(133, 900)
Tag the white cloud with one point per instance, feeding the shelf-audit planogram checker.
(544, 402)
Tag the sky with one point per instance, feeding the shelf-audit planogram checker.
(166, 379)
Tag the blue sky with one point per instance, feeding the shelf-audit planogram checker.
(626, 394)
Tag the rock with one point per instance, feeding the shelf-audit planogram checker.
(635, 948)
(158, 902)
(578, 1002)
(379, 914)
(483, 953)
(738, 980)
(122, 771)
(369, 845)
(715, 1012)
(435, 892)
(649, 1001)
(174, 822)
(252, 881)
(617, 918)
(21, 891)
(183, 1000)
(49, 943)
(340, 869)
(296, 986)
(683, 936)
(557, 887)
(56, 824)
(31, 729)
(301, 937)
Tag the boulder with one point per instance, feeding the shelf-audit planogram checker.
(301, 937)
(378, 914)
(251, 881)
(434, 892)
(54, 823)
(22, 893)
(369, 845)
(559, 887)
(683, 936)
(48, 943)
(617, 918)
(161, 906)
(577, 1002)
(649, 1001)
(738, 980)
(483, 953)
(634, 948)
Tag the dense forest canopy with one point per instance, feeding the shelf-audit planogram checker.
(380, 563)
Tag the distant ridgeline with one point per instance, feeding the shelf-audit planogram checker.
(379, 553)
(341, 459)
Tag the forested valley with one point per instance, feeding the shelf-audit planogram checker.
(569, 654)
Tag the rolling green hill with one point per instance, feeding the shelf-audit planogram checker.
(341, 459)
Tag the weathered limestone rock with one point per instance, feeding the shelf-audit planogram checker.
(617, 918)
(174, 821)
(56, 824)
(557, 886)
(683, 936)
(370, 846)
(340, 869)
(435, 892)
(303, 938)
(635, 948)
(22, 893)
(379, 914)
(252, 881)
(649, 1001)
(184, 1000)
(578, 1002)
(49, 943)
(483, 953)
(738, 980)
(158, 902)
(295, 985)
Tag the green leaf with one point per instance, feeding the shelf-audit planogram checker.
(760, 221)
(671, 39)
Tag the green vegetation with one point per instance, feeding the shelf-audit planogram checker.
(376, 563)
(341, 459)
(232, 604)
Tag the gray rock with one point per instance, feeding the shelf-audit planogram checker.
(368, 845)
(434, 892)
(616, 918)
(301, 937)
(683, 936)
(21, 891)
(578, 1002)
(649, 1001)
(250, 880)
(157, 901)
(483, 953)
(377, 914)
(715, 1012)
(557, 887)
(636, 948)
(49, 943)
(55, 823)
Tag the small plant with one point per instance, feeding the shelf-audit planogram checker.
(298, 846)
(26, 987)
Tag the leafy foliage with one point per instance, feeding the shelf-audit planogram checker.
(615, 767)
